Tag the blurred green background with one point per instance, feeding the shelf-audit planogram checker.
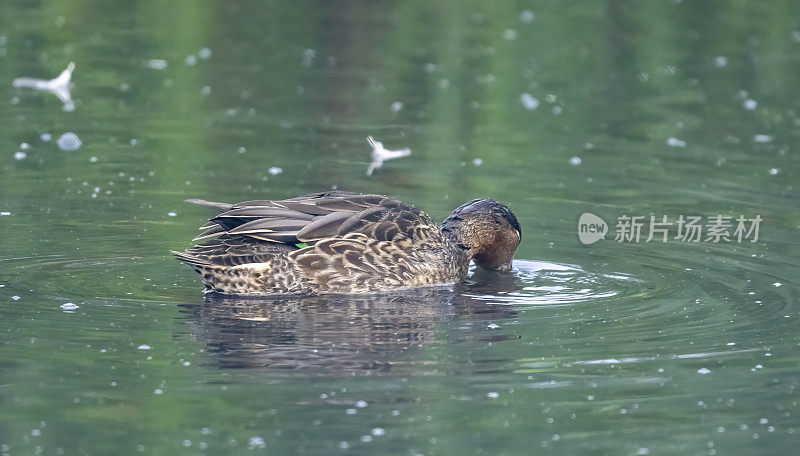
(556, 108)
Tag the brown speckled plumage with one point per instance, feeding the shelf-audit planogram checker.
(342, 242)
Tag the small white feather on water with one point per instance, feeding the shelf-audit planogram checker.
(58, 86)
(381, 154)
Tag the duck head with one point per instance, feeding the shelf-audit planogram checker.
(486, 230)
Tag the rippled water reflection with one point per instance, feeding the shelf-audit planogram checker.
(363, 334)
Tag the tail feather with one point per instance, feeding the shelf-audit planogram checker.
(223, 206)
(190, 259)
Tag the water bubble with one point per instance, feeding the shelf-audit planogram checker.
(477, 161)
(190, 60)
(143, 347)
(204, 53)
(777, 284)
(377, 432)
(643, 451)
(20, 155)
(256, 442)
(69, 306)
(158, 391)
(15, 298)
(46, 137)
(675, 142)
(171, 214)
(509, 34)
(528, 101)
(24, 146)
(308, 57)
(526, 16)
(69, 141)
(361, 404)
(366, 438)
(397, 105)
(703, 371)
(721, 61)
(762, 138)
(575, 161)
(93, 159)
(493, 395)
(205, 90)
(275, 170)
(750, 104)
(155, 64)
(773, 171)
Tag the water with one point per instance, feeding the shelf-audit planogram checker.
(107, 344)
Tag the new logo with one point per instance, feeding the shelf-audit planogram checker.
(591, 228)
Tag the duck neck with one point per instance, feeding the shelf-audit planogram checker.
(456, 256)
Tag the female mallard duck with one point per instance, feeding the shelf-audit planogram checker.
(342, 242)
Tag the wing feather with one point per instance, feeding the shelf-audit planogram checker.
(318, 216)
(324, 226)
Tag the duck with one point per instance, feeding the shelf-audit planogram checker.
(346, 242)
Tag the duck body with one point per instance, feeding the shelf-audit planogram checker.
(343, 242)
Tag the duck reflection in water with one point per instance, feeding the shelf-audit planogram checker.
(356, 334)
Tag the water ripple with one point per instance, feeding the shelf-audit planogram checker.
(543, 283)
